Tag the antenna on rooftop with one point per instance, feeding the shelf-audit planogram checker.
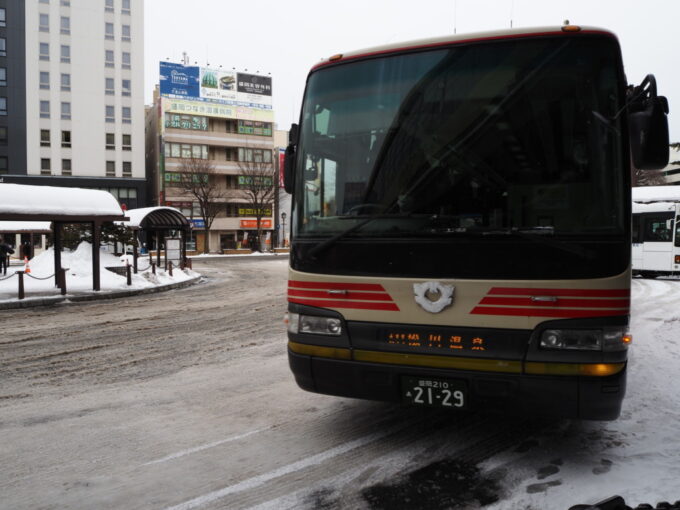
(512, 11)
(455, 9)
(185, 58)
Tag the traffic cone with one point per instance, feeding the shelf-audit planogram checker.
(27, 268)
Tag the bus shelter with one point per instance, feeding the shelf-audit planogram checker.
(157, 222)
(22, 202)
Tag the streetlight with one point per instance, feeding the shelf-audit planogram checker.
(283, 223)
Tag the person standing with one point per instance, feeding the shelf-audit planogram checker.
(5, 251)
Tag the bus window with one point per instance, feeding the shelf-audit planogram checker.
(677, 231)
(656, 229)
(636, 230)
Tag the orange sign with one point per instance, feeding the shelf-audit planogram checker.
(253, 224)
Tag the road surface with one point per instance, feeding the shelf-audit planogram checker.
(184, 400)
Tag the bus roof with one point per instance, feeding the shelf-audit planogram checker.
(461, 38)
(648, 194)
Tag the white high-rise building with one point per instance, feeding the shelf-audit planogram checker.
(80, 121)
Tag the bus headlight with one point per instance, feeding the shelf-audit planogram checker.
(572, 339)
(315, 325)
(607, 339)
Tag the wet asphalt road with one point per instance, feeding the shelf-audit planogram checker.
(184, 400)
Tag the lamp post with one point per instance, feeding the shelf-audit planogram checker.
(283, 224)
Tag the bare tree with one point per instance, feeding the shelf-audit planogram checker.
(257, 181)
(197, 179)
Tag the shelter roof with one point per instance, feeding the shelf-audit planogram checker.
(156, 218)
(40, 203)
(656, 194)
(38, 227)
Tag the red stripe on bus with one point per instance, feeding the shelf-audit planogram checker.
(427, 46)
(336, 285)
(514, 291)
(366, 296)
(543, 312)
(559, 303)
(357, 305)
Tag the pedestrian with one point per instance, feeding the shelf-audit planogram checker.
(27, 248)
(5, 251)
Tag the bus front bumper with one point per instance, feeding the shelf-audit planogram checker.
(592, 397)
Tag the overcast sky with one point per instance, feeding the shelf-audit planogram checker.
(287, 38)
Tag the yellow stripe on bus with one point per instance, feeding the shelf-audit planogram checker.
(475, 364)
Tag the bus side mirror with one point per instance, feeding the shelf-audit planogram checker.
(289, 159)
(648, 126)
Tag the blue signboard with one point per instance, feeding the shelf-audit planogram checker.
(199, 224)
(179, 81)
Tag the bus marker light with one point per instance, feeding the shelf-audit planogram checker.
(335, 57)
(627, 339)
(571, 28)
(677, 259)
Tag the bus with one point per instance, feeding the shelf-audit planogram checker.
(656, 239)
(460, 221)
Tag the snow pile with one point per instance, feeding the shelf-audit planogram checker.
(50, 200)
(79, 274)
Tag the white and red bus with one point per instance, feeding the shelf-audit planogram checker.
(461, 221)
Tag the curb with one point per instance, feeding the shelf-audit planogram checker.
(68, 299)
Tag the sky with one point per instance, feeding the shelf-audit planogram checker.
(287, 38)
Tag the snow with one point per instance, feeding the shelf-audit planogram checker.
(653, 207)
(79, 274)
(25, 226)
(656, 194)
(25, 199)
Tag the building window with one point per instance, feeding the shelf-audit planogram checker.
(185, 150)
(44, 53)
(126, 7)
(3, 47)
(45, 168)
(44, 1)
(110, 141)
(110, 169)
(108, 58)
(65, 53)
(66, 111)
(251, 127)
(108, 86)
(127, 87)
(108, 30)
(67, 3)
(127, 142)
(127, 115)
(254, 155)
(44, 109)
(44, 80)
(126, 60)
(3, 135)
(127, 169)
(231, 126)
(231, 153)
(44, 138)
(65, 167)
(3, 17)
(3, 106)
(65, 25)
(44, 23)
(3, 76)
(110, 113)
(65, 81)
(4, 166)
(108, 5)
(126, 32)
(66, 139)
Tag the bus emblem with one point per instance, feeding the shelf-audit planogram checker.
(424, 292)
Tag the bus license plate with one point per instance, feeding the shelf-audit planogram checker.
(434, 392)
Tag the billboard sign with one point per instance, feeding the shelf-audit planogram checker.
(229, 88)
(177, 80)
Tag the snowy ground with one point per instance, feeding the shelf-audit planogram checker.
(79, 275)
(184, 400)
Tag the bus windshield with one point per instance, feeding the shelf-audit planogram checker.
(520, 136)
